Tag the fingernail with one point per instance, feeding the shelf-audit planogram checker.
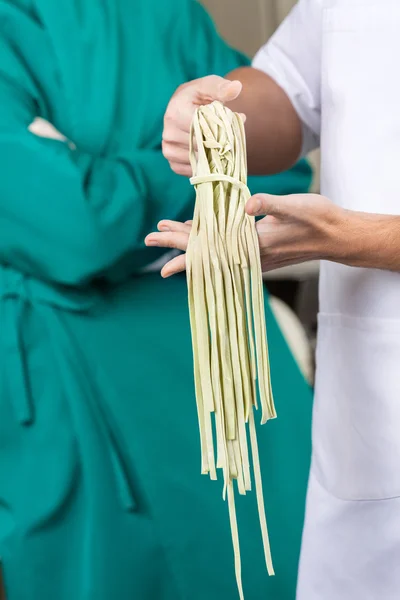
(151, 242)
(225, 87)
(256, 205)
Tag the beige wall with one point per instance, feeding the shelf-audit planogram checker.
(247, 24)
(283, 7)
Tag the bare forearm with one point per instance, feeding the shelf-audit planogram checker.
(369, 240)
(273, 128)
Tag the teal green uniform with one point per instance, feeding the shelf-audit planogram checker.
(101, 495)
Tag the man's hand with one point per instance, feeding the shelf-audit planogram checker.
(180, 112)
(296, 229)
(273, 128)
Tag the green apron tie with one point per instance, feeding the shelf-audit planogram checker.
(16, 291)
(18, 385)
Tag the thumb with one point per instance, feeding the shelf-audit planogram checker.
(214, 87)
(266, 204)
(228, 91)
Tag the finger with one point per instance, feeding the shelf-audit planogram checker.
(176, 265)
(266, 204)
(177, 137)
(230, 91)
(178, 117)
(180, 169)
(175, 226)
(176, 154)
(214, 87)
(176, 240)
(267, 224)
(44, 129)
(180, 110)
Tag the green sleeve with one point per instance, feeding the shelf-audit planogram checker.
(67, 216)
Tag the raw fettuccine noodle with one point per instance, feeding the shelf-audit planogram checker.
(227, 316)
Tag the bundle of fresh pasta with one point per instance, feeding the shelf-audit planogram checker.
(231, 364)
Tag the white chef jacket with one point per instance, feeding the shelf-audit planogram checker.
(339, 63)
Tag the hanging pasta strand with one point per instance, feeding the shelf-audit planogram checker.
(226, 305)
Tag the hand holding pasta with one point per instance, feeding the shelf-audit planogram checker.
(227, 311)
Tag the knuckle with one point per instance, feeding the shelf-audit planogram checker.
(182, 87)
(166, 135)
(166, 150)
(170, 115)
(214, 79)
(179, 169)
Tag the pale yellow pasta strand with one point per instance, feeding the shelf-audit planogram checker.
(235, 539)
(227, 311)
(260, 496)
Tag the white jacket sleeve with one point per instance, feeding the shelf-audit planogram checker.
(292, 58)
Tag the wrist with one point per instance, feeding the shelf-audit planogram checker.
(336, 227)
(346, 234)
